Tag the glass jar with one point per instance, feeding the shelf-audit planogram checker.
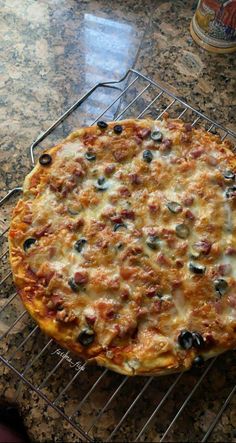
(214, 25)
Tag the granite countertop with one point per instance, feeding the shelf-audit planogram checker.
(52, 53)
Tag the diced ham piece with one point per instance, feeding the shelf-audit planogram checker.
(42, 231)
(89, 140)
(153, 208)
(69, 186)
(90, 319)
(179, 264)
(188, 127)
(167, 233)
(188, 200)
(186, 137)
(171, 242)
(141, 312)
(47, 276)
(138, 140)
(114, 283)
(125, 294)
(56, 187)
(203, 246)
(230, 251)
(27, 218)
(210, 160)
(110, 314)
(127, 273)
(134, 179)
(166, 145)
(137, 233)
(196, 153)
(225, 269)
(124, 191)
(108, 212)
(189, 215)
(99, 226)
(182, 248)
(52, 251)
(172, 125)
(143, 132)
(218, 307)
(151, 231)
(209, 339)
(57, 300)
(102, 244)
(157, 306)
(81, 161)
(120, 155)
(81, 277)
(117, 218)
(220, 270)
(61, 209)
(152, 292)
(128, 213)
(176, 160)
(106, 309)
(176, 284)
(128, 327)
(163, 260)
(45, 273)
(74, 226)
(109, 169)
(131, 251)
(232, 300)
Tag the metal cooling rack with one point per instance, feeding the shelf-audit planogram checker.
(108, 405)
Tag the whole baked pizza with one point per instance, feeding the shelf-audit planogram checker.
(123, 246)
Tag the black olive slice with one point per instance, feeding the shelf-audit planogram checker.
(221, 286)
(102, 125)
(90, 156)
(230, 192)
(185, 339)
(117, 129)
(153, 242)
(182, 230)
(79, 244)
(28, 243)
(197, 268)
(72, 211)
(101, 184)
(156, 136)
(147, 156)
(74, 286)
(198, 362)
(45, 159)
(119, 226)
(86, 337)
(119, 246)
(174, 207)
(229, 175)
(198, 340)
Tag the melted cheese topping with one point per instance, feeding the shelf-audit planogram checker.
(136, 296)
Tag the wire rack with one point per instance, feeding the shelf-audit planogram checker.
(95, 401)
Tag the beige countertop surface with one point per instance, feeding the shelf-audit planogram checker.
(52, 52)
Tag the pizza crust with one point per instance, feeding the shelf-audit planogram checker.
(139, 298)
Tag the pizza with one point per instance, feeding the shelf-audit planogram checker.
(123, 245)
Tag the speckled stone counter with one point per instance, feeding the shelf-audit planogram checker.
(52, 53)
